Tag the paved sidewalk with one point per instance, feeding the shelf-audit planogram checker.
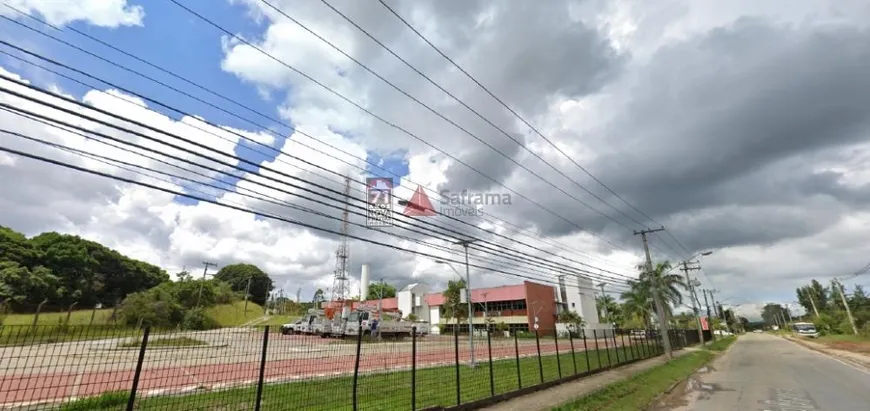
(555, 396)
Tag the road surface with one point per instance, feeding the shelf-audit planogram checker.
(763, 372)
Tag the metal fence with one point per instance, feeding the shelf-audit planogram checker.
(111, 368)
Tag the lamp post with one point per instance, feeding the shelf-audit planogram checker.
(468, 297)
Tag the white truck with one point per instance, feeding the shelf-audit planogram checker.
(314, 322)
(390, 325)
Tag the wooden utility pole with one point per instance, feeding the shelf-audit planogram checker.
(660, 308)
(839, 287)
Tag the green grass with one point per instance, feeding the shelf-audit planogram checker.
(16, 330)
(106, 401)
(637, 392)
(721, 343)
(165, 342)
(277, 320)
(78, 317)
(844, 338)
(392, 391)
(234, 314)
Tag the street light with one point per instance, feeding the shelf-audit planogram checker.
(468, 298)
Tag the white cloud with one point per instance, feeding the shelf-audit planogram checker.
(104, 13)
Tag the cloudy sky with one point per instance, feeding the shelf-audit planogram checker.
(740, 126)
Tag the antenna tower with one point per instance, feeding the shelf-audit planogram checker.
(340, 282)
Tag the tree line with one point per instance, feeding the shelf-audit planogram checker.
(66, 271)
(824, 307)
(63, 269)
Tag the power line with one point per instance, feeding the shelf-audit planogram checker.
(511, 110)
(514, 227)
(382, 119)
(585, 273)
(442, 116)
(243, 209)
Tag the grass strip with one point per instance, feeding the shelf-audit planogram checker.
(391, 390)
(721, 343)
(637, 392)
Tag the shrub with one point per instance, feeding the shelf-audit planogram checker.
(155, 308)
(196, 319)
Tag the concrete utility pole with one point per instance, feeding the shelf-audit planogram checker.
(465, 244)
(660, 308)
(709, 318)
(809, 293)
(603, 306)
(206, 265)
(693, 297)
(247, 291)
(846, 304)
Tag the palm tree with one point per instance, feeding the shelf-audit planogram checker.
(606, 304)
(661, 282)
(637, 302)
(663, 288)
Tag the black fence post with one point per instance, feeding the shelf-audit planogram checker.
(558, 357)
(586, 351)
(456, 350)
(131, 401)
(356, 364)
(489, 348)
(573, 353)
(413, 368)
(625, 352)
(615, 345)
(540, 363)
(262, 376)
(597, 350)
(607, 349)
(517, 351)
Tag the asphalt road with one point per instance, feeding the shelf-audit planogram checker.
(763, 372)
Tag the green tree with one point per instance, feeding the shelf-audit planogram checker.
(15, 247)
(638, 303)
(607, 303)
(574, 321)
(380, 290)
(453, 307)
(772, 313)
(237, 275)
(21, 285)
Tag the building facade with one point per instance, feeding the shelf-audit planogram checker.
(519, 307)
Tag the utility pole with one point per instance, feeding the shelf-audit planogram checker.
(465, 243)
(808, 292)
(846, 304)
(692, 297)
(299, 295)
(660, 308)
(709, 318)
(206, 265)
(603, 305)
(247, 291)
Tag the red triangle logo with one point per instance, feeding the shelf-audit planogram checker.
(419, 205)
